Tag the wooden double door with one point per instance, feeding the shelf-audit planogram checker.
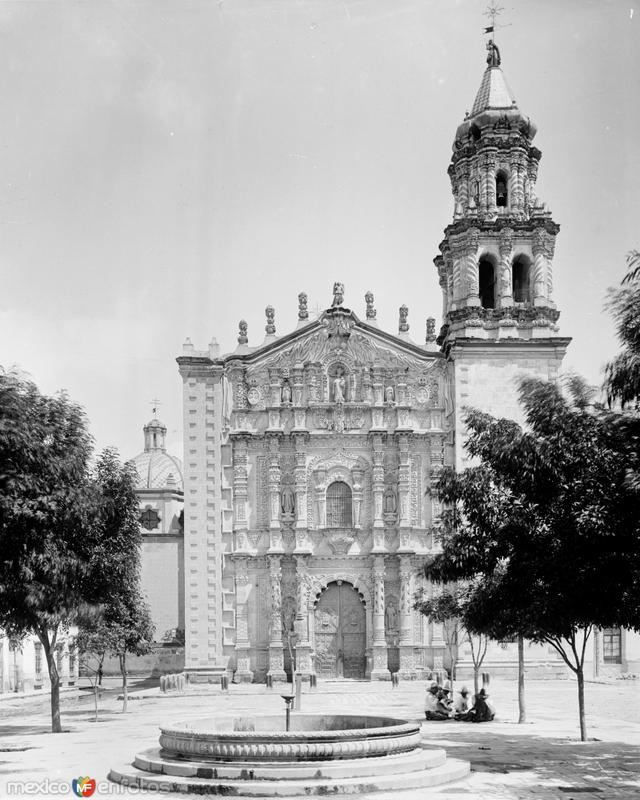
(340, 633)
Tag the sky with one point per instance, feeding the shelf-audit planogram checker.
(169, 167)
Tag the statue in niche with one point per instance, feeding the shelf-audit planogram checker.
(391, 617)
(338, 388)
(286, 393)
(287, 501)
(338, 294)
(390, 502)
(389, 395)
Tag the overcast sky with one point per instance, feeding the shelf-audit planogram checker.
(170, 167)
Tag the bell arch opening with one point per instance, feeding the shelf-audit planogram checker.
(487, 282)
(502, 189)
(521, 272)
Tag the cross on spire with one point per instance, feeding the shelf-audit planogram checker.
(154, 404)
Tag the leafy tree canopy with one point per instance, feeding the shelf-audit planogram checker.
(548, 519)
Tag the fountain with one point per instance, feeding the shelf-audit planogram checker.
(254, 756)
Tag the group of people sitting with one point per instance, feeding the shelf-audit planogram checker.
(440, 706)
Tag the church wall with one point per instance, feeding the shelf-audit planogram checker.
(487, 375)
(163, 582)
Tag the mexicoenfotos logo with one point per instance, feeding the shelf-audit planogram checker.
(84, 787)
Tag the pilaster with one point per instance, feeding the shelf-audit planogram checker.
(243, 672)
(380, 671)
(276, 652)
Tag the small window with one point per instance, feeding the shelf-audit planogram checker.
(521, 281)
(502, 194)
(612, 645)
(339, 505)
(487, 283)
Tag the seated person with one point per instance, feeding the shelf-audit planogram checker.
(482, 711)
(461, 703)
(445, 704)
(432, 706)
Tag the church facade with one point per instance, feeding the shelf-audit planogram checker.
(310, 460)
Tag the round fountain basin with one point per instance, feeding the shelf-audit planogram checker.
(312, 737)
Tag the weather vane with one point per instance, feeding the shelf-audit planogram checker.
(492, 12)
(154, 404)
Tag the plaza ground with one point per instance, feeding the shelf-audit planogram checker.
(540, 759)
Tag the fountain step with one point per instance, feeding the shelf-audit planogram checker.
(157, 762)
(451, 770)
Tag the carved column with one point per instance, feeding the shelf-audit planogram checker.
(518, 171)
(320, 487)
(506, 279)
(276, 653)
(243, 672)
(472, 276)
(304, 665)
(490, 167)
(377, 489)
(463, 186)
(404, 483)
(540, 267)
(300, 482)
(358, 476)
(380, 671)
(240, 521)
(378, 387)
(458, 268)
(407, 667)
(273, 477)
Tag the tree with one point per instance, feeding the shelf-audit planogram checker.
(451, 608)
(545, 517)
(92, 644)
(123, 625)
(46, 513)
(622, 374)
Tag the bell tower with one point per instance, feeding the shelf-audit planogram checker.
(495, 262)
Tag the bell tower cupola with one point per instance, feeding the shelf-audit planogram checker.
(495, 262)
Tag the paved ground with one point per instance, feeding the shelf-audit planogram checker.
(541, 759)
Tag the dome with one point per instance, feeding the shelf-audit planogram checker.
(495, 105)
(156, 468)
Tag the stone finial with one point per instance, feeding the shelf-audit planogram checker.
(242, 338)
(403, 325)
(303, 313)
(338, 294)
(187, 347)
(371, 312)
(270, 314)
(431, 330)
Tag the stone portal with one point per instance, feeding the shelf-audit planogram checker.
(340, 633)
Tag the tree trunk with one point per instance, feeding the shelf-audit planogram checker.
(583, 721)
(95, 697)
(54, 679)
(522, 714)
(125, 688)
(476, 675)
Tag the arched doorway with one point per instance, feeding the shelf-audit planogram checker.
(340, 632)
